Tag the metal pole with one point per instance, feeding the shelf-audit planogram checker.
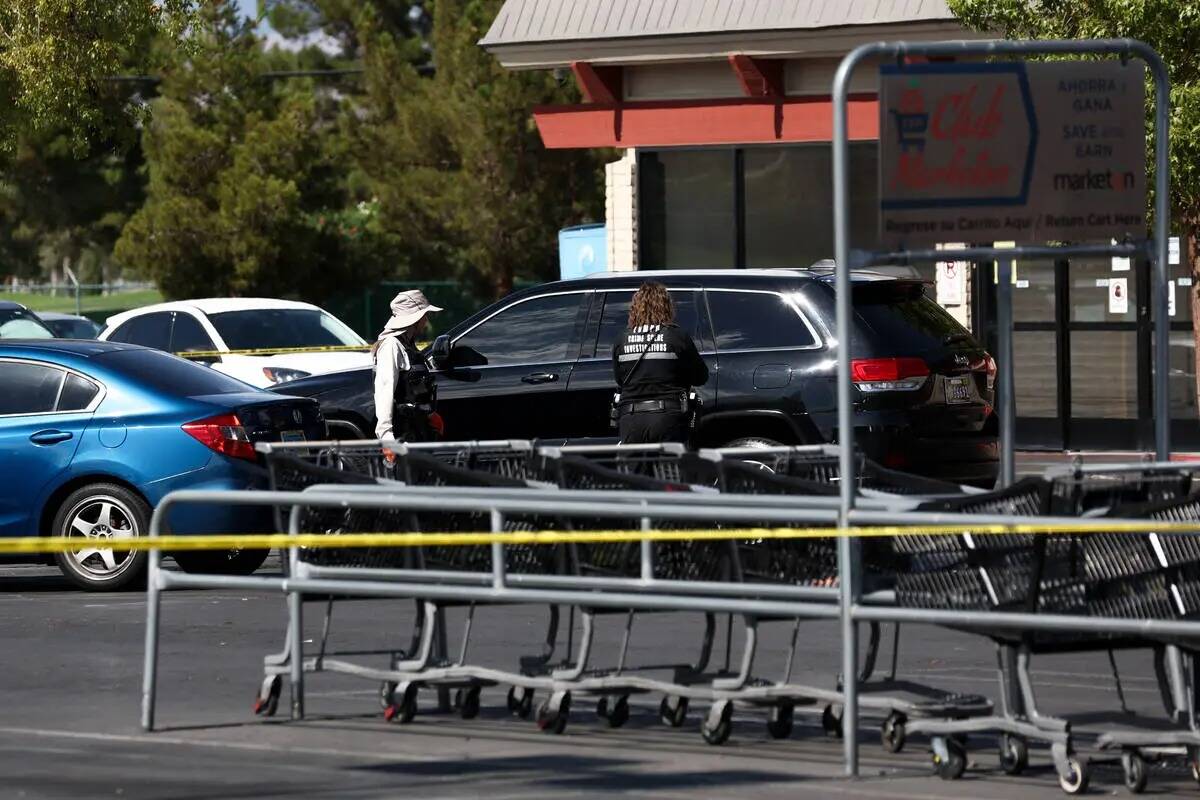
(295, 603)
(150, 656)
(1006, 399)
(647, 553)
(845, 434)
(1162, 224)
(499, 576)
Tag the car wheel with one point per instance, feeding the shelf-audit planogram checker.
(99, 516)
(220, 562)
(759, 443)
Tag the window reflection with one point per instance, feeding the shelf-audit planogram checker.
(536, 331)
(747, 320)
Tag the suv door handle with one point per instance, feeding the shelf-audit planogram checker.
(540, 377)
(50, 437)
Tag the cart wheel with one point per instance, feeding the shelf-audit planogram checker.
(831, 722)
(1193, 759)
(552, 714)
(525, 705)
(894, 731)
(268, 696)
(1135, 770)
(386, 689)
(1075, 781)
(467, 701)
(615, 713)
(718, 724)
(779, 721)
(404, 708)
(1014, 754)
(673, 711)
(520, 701)
(954, 764)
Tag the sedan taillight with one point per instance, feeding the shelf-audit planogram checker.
(223, 434)
(889, 374)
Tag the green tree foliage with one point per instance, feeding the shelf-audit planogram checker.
(57, 58)
(248, 189)
(465, 186)
(68, 207)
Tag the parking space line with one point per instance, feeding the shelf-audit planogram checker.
(125, 738)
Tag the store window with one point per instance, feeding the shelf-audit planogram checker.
(687, 201)
(750, 207)
(789, 203)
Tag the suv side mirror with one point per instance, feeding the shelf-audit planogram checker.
(439, 352)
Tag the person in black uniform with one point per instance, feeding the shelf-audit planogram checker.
(655, 363)
(405, 392)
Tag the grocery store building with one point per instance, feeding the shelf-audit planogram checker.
(720, 114)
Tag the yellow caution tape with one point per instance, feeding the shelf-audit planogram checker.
(276, 351)
(257, 541)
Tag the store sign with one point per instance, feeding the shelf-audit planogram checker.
(1032, 152)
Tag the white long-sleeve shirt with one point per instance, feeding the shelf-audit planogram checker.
(390, 360)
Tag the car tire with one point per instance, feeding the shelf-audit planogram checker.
(220, 562)
(759, 443)
(754, 441)
(98, 514)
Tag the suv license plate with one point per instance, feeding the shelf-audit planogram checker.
(958, 390)
(292, 436)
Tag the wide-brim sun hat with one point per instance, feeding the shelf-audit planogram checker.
(407, 308)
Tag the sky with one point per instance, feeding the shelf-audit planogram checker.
(249, 8)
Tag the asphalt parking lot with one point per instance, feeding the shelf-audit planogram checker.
(70, 685)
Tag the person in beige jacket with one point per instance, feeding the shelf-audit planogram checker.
(405, 393)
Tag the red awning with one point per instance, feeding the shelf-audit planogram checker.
(677, 123)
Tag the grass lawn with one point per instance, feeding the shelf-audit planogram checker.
(95, 306)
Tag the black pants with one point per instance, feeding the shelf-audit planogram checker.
(650, 427)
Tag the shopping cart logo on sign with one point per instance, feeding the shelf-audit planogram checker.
(912, 121)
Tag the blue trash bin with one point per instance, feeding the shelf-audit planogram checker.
(582, 250)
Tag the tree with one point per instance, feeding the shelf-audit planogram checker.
(58, 57)
(68, 206)
(464, 184)
(247, 190)
(1172, 27)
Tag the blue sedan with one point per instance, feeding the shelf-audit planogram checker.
(93, 434)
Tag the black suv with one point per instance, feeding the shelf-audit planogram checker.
(537, 365)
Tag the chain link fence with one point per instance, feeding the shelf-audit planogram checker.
(367, 310)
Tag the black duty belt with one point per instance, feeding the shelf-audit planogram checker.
(643, 406)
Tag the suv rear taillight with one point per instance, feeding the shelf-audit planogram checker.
(989, 364)
(224, 434)
(889, 374)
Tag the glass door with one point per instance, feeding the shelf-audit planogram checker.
(1037, 363)
(1109, 354)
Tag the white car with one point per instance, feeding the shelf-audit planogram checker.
(244, 323)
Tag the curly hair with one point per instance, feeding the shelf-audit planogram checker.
(651, 306)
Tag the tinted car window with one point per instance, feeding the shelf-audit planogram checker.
(28, 388)
(751, 320)
(901, 314)
(20, 324)
(77, 393)
(536, 331)
(188, 335)
(150, 330)
(73, 328)
(282, 327)
(615, 317)
(170, 374)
